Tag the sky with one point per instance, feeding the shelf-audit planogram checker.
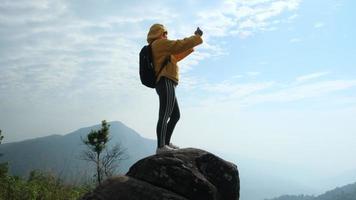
(274, 79)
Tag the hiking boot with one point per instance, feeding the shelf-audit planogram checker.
(173, 146)
(164, 149)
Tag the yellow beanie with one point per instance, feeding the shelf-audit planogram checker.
(156, 31)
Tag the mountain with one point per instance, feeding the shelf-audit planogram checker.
(262, 179)
(60, 153)
(347, 192)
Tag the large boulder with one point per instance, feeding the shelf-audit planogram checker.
(185, 174)
(125, 187)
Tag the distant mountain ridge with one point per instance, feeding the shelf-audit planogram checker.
(60, 153)
(347, 192)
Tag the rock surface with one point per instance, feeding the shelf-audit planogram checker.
(185, 174)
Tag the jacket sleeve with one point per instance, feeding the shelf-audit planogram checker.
(181, 56)
(180, 46)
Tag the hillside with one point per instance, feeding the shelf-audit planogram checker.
(347, 192)
(60, 153)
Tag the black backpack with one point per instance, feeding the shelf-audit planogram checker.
(147, 70)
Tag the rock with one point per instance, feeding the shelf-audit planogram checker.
(124, 188)
(185, 174)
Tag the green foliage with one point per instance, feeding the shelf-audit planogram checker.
(347, 192)
(1, 137)
(39, 186)
(97, 139)
(4, 169)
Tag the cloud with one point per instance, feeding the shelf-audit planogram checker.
(49, 42)
(47, 47)
(244, 18)
(302, 92)
(318, 25)
(71, 55)
(295, 40)
(249, 94)
(253, 74)
(238, 76)
(62, 58)
(308, 77)
(23, 12)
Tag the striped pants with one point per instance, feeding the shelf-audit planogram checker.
(168, 111)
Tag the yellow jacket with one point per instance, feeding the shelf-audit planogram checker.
(175, 50)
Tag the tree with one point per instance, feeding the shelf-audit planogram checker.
(4, 167)
(1, 138)
(98, 152)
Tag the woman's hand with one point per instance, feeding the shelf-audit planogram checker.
(198, 32)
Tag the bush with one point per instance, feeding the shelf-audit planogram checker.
(39, 186)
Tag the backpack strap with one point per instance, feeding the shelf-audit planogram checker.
(166, 61)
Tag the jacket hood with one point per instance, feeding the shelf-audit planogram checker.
(156, 31)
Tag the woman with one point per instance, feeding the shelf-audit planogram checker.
(166, 53)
